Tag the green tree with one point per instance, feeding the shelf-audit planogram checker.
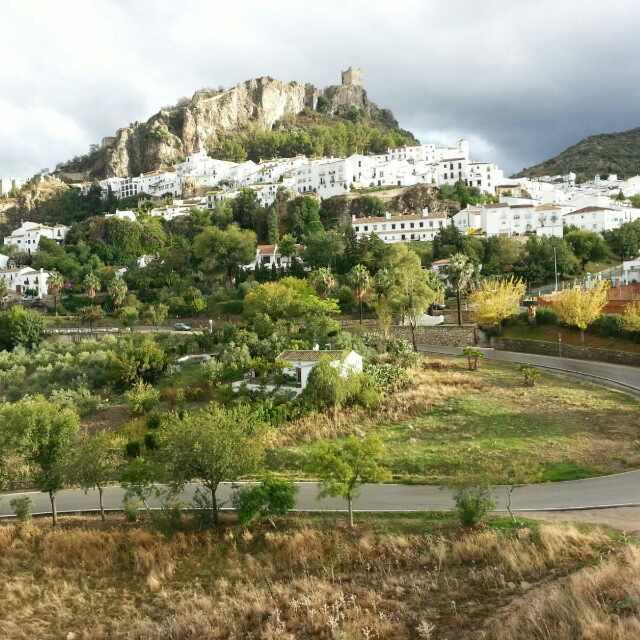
(625, 240)
(44, 433)
(289, 299)
(91, 314)
(273, 232)
(540, 258)
(323, 249)
(270, 499)
(55, 285)
(587, 246)
(223, 252)
(323, 281)
(20, 327)
(360, 280)
(139, 360)
(287, 246)
(303, 217)
(461, 274)
(117, 290)
(128, 316)
(212, 446)
(94, 462)
(156, 314)
(342, 466)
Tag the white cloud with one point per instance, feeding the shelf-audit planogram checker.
(523, 79)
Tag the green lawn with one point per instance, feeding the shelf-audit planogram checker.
(549, 333)
(559, 430)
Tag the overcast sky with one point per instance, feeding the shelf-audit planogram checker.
(521, 79)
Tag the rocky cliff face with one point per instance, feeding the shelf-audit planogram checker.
(171, 134)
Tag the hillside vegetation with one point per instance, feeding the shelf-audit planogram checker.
(599, 154)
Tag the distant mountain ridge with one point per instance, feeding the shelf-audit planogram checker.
(211, 116)
(600, 154)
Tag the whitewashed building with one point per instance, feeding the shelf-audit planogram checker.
(601, 218)
(268, 255)
(401, 228)
(26, 238)
(300, 364)
(126, 214)
(26, 281)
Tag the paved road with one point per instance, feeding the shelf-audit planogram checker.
(609, 491)
(613, 374)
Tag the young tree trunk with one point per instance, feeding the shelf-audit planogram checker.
(101, 502)
(582, 336)
(350, 507)
(54, 512)
(413, 336)
(360, 311)
(214, 504)
(459, 307)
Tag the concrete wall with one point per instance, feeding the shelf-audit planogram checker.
(567, 351)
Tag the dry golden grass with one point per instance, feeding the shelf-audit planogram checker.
(308, 581)
(432, 383)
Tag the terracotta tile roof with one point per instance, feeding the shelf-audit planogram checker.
(266, 248)
(591, 210)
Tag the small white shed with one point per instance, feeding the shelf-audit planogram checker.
(301, 363)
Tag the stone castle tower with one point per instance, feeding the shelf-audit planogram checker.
(352, 77)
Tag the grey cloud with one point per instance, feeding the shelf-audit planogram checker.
(524, 79)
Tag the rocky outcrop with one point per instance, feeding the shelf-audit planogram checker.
(200, 123)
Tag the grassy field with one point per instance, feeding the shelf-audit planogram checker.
(456, 425)
(549, 333)
(406, 577)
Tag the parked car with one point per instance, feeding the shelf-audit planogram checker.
(181, 326)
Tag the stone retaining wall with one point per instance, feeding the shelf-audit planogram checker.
(442, 335)
(544, 348)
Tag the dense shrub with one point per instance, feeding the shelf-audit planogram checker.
(20, 327)
(608, 326)
(387, 377)
(22, 508)
(142, 398)
(473, 504)
(269, 499)
(545, 315)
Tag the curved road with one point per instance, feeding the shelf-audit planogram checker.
(608, 491)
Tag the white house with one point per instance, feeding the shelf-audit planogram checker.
(502, 219)
(601, 218)
(6, 262)
(631, 270)
(268, 255)
(301, 363)
(26, 238)
(401, 228)
(26, 280)
(122, 215)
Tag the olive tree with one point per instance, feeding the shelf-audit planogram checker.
(212, 446)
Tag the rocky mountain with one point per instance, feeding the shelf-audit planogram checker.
(204, 121)
(599, 154)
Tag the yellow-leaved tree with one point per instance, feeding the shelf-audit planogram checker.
(579, 307)
(496, 299)
(631, 316)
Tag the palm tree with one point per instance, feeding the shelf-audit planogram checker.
(55, 284)
(323, 281)
(361, 281)
(461, 274)
(91, 284)
(118, 291)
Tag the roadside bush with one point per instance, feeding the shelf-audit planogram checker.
(142, 398)
(545, 316)
(22, 508)
(530, 375)
(265, 501)
(151, 441)
(168, 519)
(401, 352)
(367, 393)
(473, 356)
(608, 326)
(473, 504)
(388, 377)
(131, 509)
